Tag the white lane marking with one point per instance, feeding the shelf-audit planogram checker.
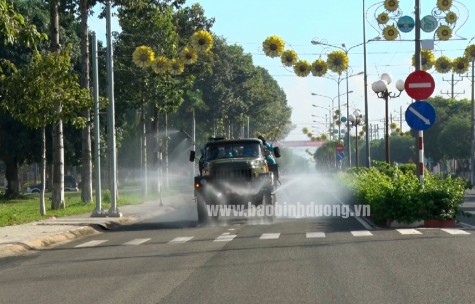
(226, 233)
(180, 239)
(310, 235)
(225, 238)
(231, 229)
(269, 236)
(455, 231)
(136, 242)
(408, 231)
(90, 243)
(361, 233)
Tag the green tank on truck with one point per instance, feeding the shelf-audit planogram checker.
(233, 172)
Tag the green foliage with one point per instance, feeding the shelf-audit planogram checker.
(35, 93)
(395, 193)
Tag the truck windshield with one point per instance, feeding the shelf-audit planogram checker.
(232, 150)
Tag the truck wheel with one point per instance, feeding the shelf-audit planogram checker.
(269, 200)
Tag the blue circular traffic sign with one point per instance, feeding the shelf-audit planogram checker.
(420, 115)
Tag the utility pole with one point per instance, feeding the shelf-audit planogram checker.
(452, 82)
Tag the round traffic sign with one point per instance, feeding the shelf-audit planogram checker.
(339, 147)
(419, 85)
(420, 115)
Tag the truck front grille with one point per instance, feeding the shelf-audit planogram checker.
(233, 173)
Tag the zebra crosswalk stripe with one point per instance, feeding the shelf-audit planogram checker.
(90, 243)
(310, 235)
(361, 233)
(180, 240)
(455, 231)
(136, 242)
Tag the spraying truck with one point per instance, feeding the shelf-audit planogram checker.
(233, 172)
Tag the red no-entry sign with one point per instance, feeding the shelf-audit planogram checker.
(339, 147)
(419, 85)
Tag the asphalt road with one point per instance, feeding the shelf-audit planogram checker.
(326, 259)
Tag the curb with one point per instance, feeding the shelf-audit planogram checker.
(51, 240)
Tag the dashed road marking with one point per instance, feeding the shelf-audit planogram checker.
(136, 242)
(359, 233)
(311, 235)
(408, 231)
(225, 238)
(90, 244)
(180, 240)
(269, 236)
(455, 231)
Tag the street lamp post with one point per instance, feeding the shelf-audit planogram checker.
(381, 88)
(356, 119)
(333, 105)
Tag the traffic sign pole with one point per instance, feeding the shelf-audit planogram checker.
(420, 140)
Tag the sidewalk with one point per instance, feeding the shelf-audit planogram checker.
(36, 235)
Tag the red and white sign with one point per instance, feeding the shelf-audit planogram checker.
(419, 85)
(339, 147)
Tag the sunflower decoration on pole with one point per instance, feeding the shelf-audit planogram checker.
(289, 58)
(144, 56)
(319, 68)
(273, 46)
(442, 21)
(443, 64)
(427, 60)
(302, 68)
(337, 61)
(386, 20)
(460, 65)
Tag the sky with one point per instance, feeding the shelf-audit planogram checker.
(249, 22)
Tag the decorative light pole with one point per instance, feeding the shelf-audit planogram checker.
(381, 88)
(356, 119)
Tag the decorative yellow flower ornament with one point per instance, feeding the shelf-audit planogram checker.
(469, 52)
(451, 17)
(337, 61)
(444, 5)
(176, 66)
(427, 60)
(383, 18)
(273, 46)
(188, 55)
(460, 65)
(444, 32)
(319, 68)
(160, 65)
(390, 32)
(143, 56)
(302, 68)
(289, 58)
(391, 5)
(202, 41)
(443, 64)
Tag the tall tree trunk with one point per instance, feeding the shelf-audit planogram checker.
(58, 146)
(86, 169)
(43, 172)
(11, 174)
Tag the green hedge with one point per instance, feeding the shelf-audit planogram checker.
(395, 193)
